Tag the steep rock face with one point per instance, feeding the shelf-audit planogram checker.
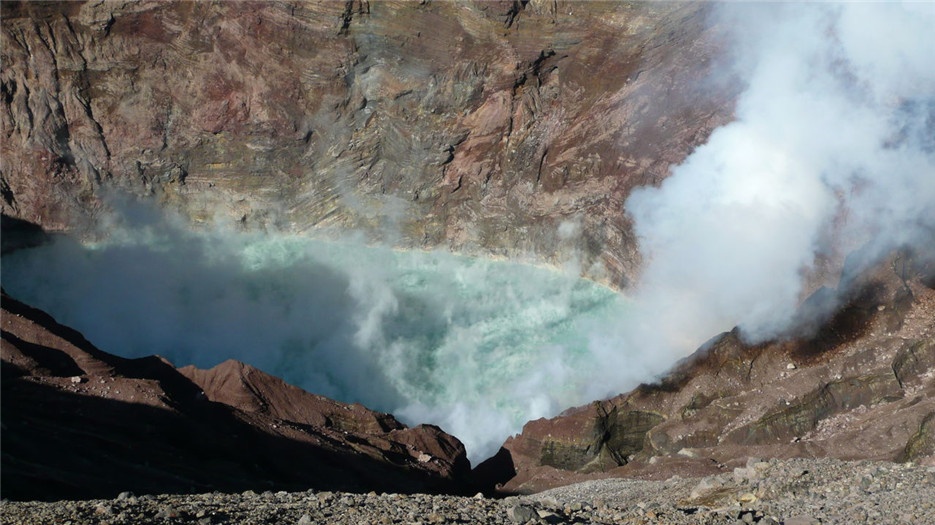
(267, 400)
(477, 125)
(860, 386)
(81, 423)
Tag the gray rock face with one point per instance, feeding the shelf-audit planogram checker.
(430, 123)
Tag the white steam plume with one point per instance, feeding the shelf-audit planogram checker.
(832, 148)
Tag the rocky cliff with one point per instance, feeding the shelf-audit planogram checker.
(491, 127)
(861, 386)
(479, 126)
(81, 423)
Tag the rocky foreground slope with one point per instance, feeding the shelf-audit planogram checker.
(793, 492)
(81, 423)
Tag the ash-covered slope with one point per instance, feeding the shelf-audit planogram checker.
(862, 386)
(81, 423)
(479, 126)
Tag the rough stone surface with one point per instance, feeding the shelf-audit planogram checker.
(863, 387)
(480, 126)
(787, 491)
(143, 425)
(522, 513)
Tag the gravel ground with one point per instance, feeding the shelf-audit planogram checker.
(794, 491)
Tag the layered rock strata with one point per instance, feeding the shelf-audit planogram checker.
(861, 385)
(479, 126)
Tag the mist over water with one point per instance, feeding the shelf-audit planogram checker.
(476, 346)
(832, 149)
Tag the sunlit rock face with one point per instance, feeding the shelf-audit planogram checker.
(858, 387)
(480, 126)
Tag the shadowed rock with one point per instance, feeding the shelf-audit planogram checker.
(81, 423)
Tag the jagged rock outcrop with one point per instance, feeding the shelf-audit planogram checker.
(480, 126)
(861, 385)
(81, 423)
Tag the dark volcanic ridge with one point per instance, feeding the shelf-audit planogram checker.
(81, 423)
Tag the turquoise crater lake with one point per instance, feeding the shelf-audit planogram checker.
(474, 345)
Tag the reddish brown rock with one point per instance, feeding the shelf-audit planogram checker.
(266, 400)
(480, 126)
(81, 423)
(861, 386)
